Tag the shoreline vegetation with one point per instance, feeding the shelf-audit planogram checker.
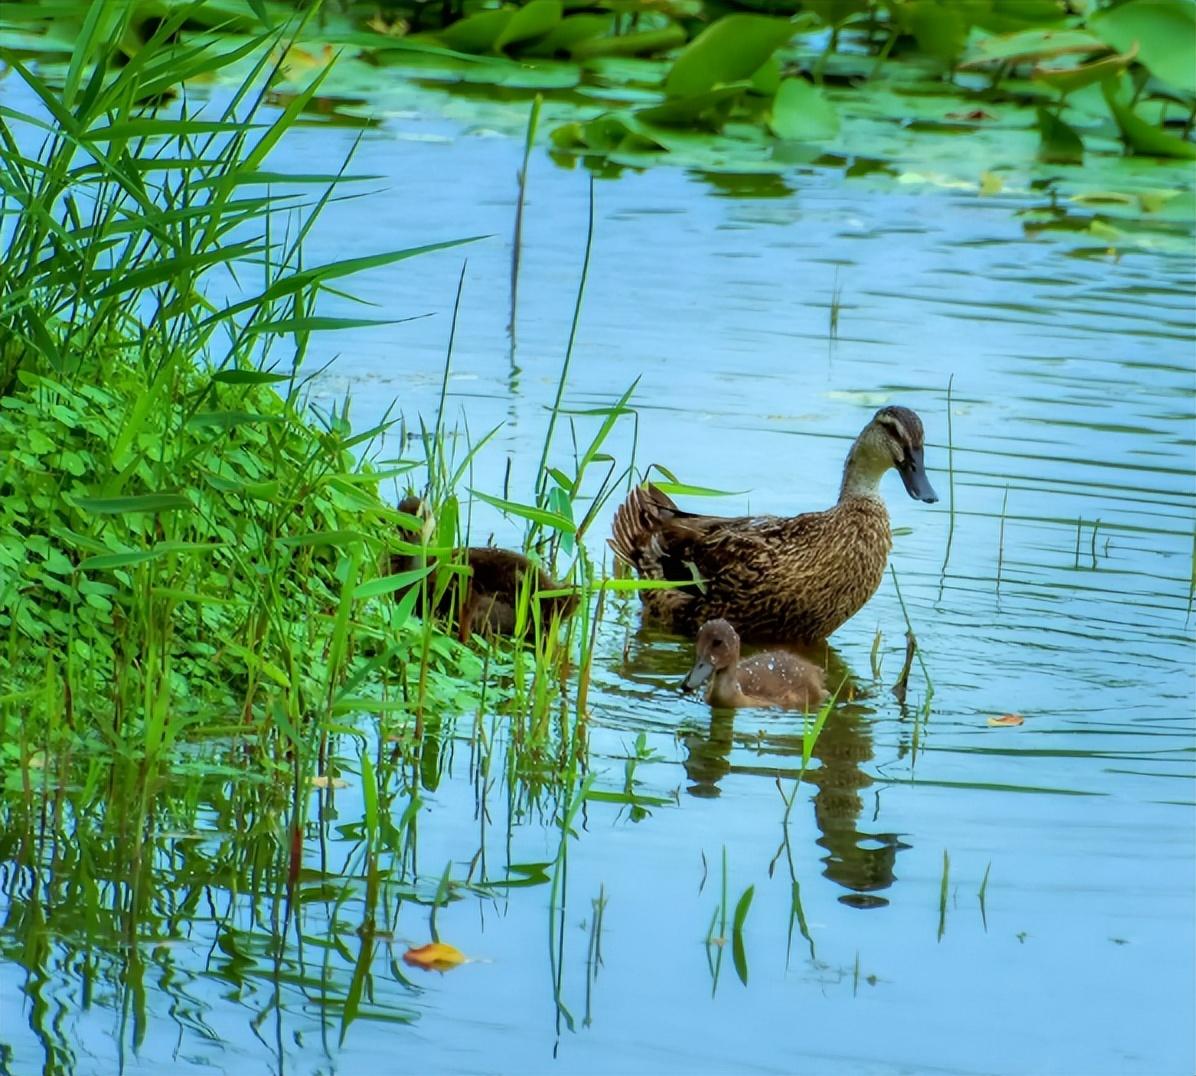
(188, 550)
(200, 620)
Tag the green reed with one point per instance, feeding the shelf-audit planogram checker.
(836, 305)
(950, 490)
(716, 933)
(533, 121)
(542, 469)
(1001, 538)
(944, 882)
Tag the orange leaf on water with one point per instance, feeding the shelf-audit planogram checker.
(435, 956)
(1006, 720)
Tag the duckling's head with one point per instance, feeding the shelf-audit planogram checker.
(893, 438)
(717, 649)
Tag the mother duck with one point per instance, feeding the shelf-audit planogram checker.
(776, 579)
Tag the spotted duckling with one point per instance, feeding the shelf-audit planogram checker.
(791, 580)
(487, 600)
(774, 678)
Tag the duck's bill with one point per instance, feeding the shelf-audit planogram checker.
(913, 474)
(698, 675)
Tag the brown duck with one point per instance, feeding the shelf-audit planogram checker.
(487, 596)
(774, 578)
(774, 678)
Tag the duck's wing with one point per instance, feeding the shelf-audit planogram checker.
(662, 541)
(737, 555)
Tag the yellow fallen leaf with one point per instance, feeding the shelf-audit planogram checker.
(990, 183)
(1006, 720)
(435, 956)
(324, 781)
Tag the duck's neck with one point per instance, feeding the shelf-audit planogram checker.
(862, 474)
(725, 689)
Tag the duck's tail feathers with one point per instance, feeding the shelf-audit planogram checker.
(635, 536)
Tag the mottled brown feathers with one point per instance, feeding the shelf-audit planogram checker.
(487, 597)
(778, 579)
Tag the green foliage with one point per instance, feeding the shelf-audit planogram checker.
(179, 542)
(801, 113)
(1060, 144)
(640, 81)
(731, 49)
(1141, 135)
(1162, 31)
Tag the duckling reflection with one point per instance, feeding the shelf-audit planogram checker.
(861, 861)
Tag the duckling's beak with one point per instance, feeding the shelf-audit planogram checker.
(702, 671)
(913, 474)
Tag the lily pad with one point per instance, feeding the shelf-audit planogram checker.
(729, 50)
(801, 113)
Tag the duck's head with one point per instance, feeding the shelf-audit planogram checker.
(416, 506)
(893, 438)
(717, 649)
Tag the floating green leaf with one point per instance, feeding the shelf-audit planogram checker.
(733, 48)
(801, 113)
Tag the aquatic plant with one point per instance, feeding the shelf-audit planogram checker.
(747, 91)
(185, 541)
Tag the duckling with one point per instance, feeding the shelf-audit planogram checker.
(792, 580)
(774, 678)
(492, 585)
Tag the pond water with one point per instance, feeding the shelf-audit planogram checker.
(946, 896)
